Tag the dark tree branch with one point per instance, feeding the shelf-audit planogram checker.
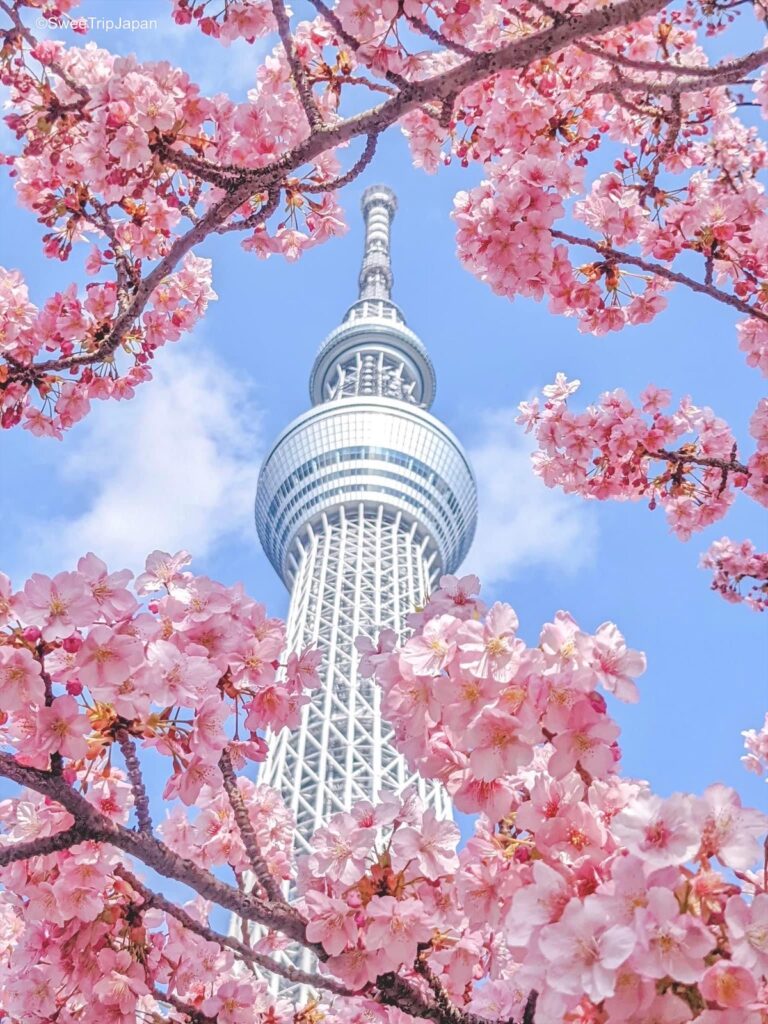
(196, 1016)
(248, 955)
(298, 72)
(684, 78)
(136, 779)
(438, 88)
(357, 169)
(260, 868)
(659, 270)
(43, 845)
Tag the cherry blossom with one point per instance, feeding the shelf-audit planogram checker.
(581, 895)
(684, 460)
(756, 743)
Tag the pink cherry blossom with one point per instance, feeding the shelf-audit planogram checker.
(340, 850)
(728, 986)
(208, 738)
(661, 831)
(617, 667)
(121, 982)
(429, 652)
(583, 951)
(671, 943)
(395, 927)
(162, 570)
(748, 931)
(732, 833)
(497, 745)
(21, 683)
(107, 658)
(61, 728)
(432, 846)
(108, 589)
(58, 606)
(332, 923)
(488, 650)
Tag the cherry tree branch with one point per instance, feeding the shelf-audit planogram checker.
(618, 256)
(244, 183)
(43, 845)
(21, 29)
(156, 855)
(354, 44)
(136, 779)
(260, 868)
(731, 465)
(91, 824)
(248, 955)
(685, 78)
(438, 37)
(196, 1016)
(298, 72)
(255, 219)
(357, 169)
(449, 1011)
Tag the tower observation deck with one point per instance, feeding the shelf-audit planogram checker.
(363, 502)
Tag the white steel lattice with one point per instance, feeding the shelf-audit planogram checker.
(360, 568)
(363, 502)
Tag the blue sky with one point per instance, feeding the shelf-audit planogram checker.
(177, 467)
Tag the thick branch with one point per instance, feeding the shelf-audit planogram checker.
(156, 855)
(260, 868)
(133, 768)
(709, 462)
(248, 955)
(44, 845)
(660, 270)
(517, 54)
(298, 73)
(684, 78)
(449, 1012)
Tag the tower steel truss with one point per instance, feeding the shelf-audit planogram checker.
(362, 503)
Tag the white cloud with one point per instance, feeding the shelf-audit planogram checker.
(522, 523)
(175, 467)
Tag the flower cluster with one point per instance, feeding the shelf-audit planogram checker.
(582, 896)
(109, 174)
(731, 565)
(756, 744)
(82, 662)
(684, 460)
(637, 140)
(68, 323)
(470, 702)
(613, 904)
(90, 676)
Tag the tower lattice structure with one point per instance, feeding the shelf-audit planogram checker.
(363, 502)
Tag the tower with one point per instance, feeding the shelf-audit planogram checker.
(363, 502)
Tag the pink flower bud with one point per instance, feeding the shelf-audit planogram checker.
(72, 644)
(598, 702)
(31, 634)
(74, 687)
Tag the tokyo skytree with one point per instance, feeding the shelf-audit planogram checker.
(363, 502)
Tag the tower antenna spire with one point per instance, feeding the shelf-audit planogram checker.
(379, 205)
